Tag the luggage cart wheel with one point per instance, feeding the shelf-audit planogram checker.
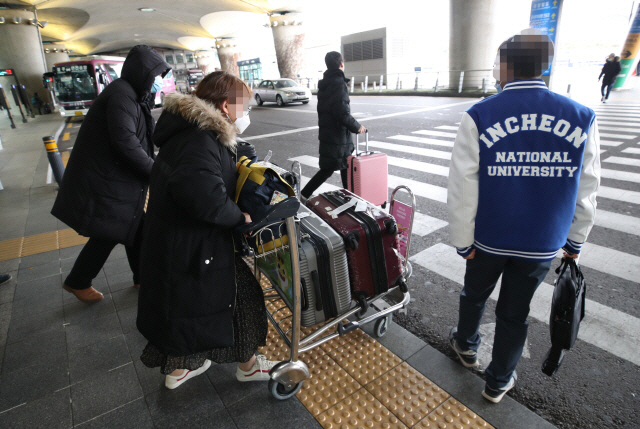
(403, 286)
(384, 205)
(381, 326)
(408, 271)
(280, 391)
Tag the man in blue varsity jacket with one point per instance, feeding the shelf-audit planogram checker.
(524, 173)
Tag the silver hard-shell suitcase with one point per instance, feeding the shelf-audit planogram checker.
(323, 270)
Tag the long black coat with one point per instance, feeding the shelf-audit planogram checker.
(335, 122)
(187, 278)
(106, 179)
(610, 70)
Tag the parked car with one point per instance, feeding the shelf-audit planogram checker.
(281, 91)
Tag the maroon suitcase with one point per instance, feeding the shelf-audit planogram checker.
(371, 239)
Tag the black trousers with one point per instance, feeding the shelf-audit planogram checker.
(606, 89)
(319, 178)
(93, 256)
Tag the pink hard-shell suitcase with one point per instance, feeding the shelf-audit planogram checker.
(367, 174)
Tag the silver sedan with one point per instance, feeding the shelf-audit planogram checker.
(281, 91)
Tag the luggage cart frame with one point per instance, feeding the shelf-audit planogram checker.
(288, 376)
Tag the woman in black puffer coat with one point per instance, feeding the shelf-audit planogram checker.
(199, 302)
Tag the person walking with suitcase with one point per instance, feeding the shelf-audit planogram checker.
(335, 124)
(525, 170)
(610, 71)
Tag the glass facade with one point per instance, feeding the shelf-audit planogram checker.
(250, 70)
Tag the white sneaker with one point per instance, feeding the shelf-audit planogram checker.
(258, 372)
(171, 381)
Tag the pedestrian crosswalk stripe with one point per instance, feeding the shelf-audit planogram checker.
(621, 129)
(610, 261)
(627, 111)
(411, 149)
(424, 167)
(618, 222)
(619, 194)
(628, 224)
(422, 224)
(420, 189)
(624, 161)
(435, 133)
(623, 115)
(424, 140)
(609, 143)
(618, 118)
(617, 136)
(616, 123)
(447, 127)
(611, 330)
(632, 150)
(620, 175)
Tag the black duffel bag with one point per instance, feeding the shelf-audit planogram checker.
(567, 311)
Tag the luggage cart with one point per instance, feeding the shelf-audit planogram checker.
(288, 376)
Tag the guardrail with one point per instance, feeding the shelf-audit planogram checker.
(429, 80)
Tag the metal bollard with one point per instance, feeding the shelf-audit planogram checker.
(484, 85)
(353, 80)
(366, 83)
(398, 83)
(569, 91)
(374, 85)
(55, 160)
(435, 88)
(416, 87)
(381, 82)
(461, 80)
(16, 98)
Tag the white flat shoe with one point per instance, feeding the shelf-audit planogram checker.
(258, 372)
(171, 382)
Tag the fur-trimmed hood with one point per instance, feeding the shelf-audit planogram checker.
(193, 111)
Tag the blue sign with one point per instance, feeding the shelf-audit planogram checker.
(544, 17)
(635, 25)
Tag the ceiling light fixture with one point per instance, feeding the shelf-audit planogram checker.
(147, 9)
(1, 19)
(17, 20)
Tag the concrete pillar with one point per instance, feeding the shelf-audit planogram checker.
(229, 55)
(54, 54)
(471, 40)
(207, 61)
(21, 50)
(288, 38)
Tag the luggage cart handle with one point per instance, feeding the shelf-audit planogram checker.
(366, 142)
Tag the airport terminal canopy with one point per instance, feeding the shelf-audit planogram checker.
(91, 27)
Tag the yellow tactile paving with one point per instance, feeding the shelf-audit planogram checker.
(70, 238)
(360, 410)
(66, 136)
(10, 249)
(69, 125)
(407, 393)
(40, 243)
(65, 157)
(365, 359)
(453, 415)
(328, 385)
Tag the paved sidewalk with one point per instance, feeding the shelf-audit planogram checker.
(67, 364)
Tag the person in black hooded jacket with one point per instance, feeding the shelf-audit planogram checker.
(335, 124)
(105, 184)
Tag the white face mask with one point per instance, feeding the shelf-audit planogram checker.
(242, 123)
(496, 67)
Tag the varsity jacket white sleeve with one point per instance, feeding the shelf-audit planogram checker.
(462, 197)
(585, 213)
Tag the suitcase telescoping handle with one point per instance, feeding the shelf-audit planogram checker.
(366, 142)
